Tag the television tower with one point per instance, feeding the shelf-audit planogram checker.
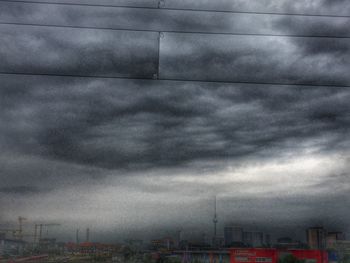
(215, 219)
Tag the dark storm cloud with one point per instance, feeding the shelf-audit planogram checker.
(154, 124)
(311, 26)
(143, 3)
(334, 7)
(18, 168)
(321, 61)
(78, 52)
(257, 59)
(338, 7)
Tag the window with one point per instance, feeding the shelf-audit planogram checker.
(241, 259)
(262, 259)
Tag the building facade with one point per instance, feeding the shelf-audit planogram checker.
(258, 239)
(333, 237)
(272, 255)
(11, 246)
(316, 237)
(233, 235)
(248, 238)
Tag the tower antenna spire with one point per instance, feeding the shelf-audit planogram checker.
(215, 219)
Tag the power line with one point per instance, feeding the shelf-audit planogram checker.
(179, 9)
(151, 79)
(171, 31)
(158, 32)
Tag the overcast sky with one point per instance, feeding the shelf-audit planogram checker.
(136, 157)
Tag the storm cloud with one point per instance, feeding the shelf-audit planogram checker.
(149, 124)
(120, 125)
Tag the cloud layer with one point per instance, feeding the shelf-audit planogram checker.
(149, 124)
(124, 153)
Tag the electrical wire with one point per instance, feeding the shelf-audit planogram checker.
(174, 79)
(171, 31)
(178, 9)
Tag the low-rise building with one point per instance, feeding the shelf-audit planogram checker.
(272, 255)
(342, 249)
(316, 237)
(11, 246)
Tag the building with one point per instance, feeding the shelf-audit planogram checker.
(285, 243)
(316, 237)
(207, 256)
(310, 255)
(233, 236)
(135, 244)
(342, 248)
(333, 237)
(258, 239)
(11, 246)
(47, 245)
(253, 255)
(248, 239)
(91, 248)
(267, 240)
(218, 242)
(289, 243)
(272, 255)
(164, 243)
(193, 246)
(284, 240)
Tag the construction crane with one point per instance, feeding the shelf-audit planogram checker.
(16, 233)
(40, 227)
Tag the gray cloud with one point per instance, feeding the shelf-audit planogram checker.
(78, 52)
(170, 20)
(139, 124)
(340, 7)
(228, 58)
(21, 190)
(142, 3)
(257, 59)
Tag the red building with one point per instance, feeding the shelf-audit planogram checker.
(253, 255)
(271, 255)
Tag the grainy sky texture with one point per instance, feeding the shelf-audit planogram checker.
(88, 139)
